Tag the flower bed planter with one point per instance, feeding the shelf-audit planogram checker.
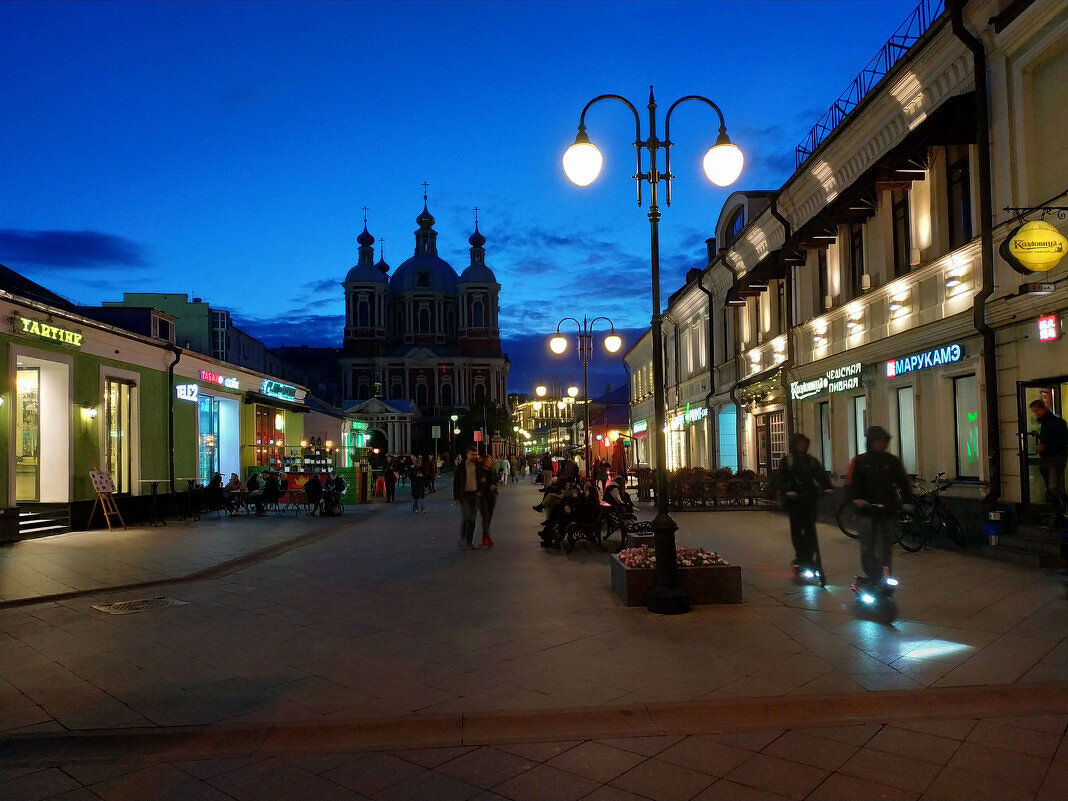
(708, 584)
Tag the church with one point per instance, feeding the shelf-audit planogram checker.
(423, 343)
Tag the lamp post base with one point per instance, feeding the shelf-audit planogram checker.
(667, 597)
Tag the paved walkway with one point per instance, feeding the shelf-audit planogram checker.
(371, 658)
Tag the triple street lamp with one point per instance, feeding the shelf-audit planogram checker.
(722, 164)
(612, 344)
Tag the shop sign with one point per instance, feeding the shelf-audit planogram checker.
(54, 333)
(837, 379)
(640, 426)
(276, 389)
(1049, 328)
(693, 415)
(935, 357)
(1035, 247)
(187, 392)
(222, 381)
(359, 425)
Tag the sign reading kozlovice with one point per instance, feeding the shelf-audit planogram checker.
(936, 357)
(838, 379)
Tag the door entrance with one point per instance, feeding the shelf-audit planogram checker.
(770, 441)
(28, 434)
(1054, 391)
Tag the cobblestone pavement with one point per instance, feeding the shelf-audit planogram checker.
(369, 657)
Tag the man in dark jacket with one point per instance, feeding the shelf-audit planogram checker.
(801, 479)
(1052, 453)
(878, 486)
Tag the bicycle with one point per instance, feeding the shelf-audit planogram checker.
(928, 518)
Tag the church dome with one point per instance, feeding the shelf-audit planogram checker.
(365, 271)
(424, 271)
(478, 274)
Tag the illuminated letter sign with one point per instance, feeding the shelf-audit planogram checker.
(187, 392)
(640, 426)
(947, 354)
(1048, 328)
(46, 331)
(276, 389)
(222, 381)
(359, 425)
(837, 379)
(691, 416)
(1035, 247)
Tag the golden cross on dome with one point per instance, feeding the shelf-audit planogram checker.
(425, 185)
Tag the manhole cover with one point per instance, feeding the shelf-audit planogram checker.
(142, 605)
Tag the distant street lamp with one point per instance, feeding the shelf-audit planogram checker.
(565, 393)
(612, 344)
(722, 164)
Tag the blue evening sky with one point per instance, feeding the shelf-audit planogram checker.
(227, 149)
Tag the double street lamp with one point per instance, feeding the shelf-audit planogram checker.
(558, 345)
(722, 165)
(561, 395)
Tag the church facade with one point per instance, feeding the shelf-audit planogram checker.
(425, 338)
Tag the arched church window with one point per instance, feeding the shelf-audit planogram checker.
(364, 391)
(450, 321)
(422, 278)
(477, 315)
(424, 320)
(480, 393)
(363, 314)
(396, 390)
(421, 395)
(446, 394)
(398, 320)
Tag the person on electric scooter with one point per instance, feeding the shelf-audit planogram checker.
(801, 479)
(879, 487)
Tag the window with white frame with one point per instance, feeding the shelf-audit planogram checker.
(966, 425)
(906, 429)
(858, 442)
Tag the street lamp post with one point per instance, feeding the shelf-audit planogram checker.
(559, 399)
(612, 343)
(722, 164)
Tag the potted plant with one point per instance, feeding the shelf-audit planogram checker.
(705, 576)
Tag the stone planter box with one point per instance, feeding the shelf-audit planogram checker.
(712, 584)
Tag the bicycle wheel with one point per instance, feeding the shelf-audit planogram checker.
(846, 517)
(911, 532)
(950, 526)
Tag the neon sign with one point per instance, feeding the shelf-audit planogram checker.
(693, 415)
(359, 425)
(935, 357)
(838, 379)
(187, 392)
(1048, 328)
(46, 331)
(640, 426)
(222, 381)
(276, 389)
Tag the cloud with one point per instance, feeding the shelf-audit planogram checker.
(532, 362)
(69, 249)
(328, 286)
(295, 328)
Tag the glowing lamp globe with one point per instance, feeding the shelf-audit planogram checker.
(573, 392)
(582, 161)
(558, 344)
(541, 390)
(723, 162)
(612, 343)
(560, 405)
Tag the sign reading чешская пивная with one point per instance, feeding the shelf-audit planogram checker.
(837, 379)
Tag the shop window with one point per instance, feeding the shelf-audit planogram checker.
(906, 429)
(902, 236)
(966, 425)
(860, 424)
(960, 203)
(728, 437)
(825, 435)
(118, 396)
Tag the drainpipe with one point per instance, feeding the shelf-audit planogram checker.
(170, 412)
(711, 351)
(986, 224)
(788, 403)
(739, 420)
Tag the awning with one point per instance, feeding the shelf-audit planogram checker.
(278, 403)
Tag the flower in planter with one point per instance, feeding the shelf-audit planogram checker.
(645, 556)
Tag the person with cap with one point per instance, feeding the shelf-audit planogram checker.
(1052, 451)
(878, 486)
(801, 479)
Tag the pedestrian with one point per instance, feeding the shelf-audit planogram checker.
(501, 466)
(389, 473)
(418, 482)
(1052, 451)
(313, 493)
(878, 486)
(431, 472)
(801, 478)
(546, 470)
(465, 493)
(488, 481)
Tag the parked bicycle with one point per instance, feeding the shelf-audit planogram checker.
(927, 517)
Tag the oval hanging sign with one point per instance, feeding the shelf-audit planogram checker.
(1035, 247)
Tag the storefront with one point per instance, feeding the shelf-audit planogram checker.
(841, 385)
(641, 452)
(764, 442)
(687, 438)
(215, 400)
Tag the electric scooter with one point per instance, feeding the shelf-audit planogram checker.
(876, 600)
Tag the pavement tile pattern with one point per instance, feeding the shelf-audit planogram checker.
(368, 657)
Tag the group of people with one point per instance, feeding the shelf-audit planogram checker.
(417, 471)
(265, 489)
(568, 499)
(476, 483)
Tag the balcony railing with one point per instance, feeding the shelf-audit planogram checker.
(914, 26)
